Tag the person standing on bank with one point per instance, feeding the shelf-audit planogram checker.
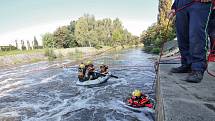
(191, 26)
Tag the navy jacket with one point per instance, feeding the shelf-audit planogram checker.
(174, 6)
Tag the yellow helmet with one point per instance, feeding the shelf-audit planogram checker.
(136, 93)
(81, 66)
(89, 62)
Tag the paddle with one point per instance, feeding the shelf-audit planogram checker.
(114, 76)
(110, 75)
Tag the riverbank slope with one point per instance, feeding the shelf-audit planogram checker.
(32, 56)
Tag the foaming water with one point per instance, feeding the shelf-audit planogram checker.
(36, 92)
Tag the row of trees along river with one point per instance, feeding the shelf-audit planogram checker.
(89, 32)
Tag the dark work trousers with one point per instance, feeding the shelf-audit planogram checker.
(211, 31)
(191, 34)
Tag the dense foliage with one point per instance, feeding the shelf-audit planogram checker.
(89, 32)
(7, 48)
(156, 34)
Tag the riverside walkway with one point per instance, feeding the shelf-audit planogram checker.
(182, 101)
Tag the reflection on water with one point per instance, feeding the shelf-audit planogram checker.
(35, 92)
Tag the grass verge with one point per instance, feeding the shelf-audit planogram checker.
(15, 52)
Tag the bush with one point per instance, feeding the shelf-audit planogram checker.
(7, 48)
(148, 48)
(40, 47)
(98, 47)
(50, 53)
(24, 48)
(155, 50)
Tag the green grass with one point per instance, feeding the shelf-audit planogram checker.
(15, 52)
(34, 60)
(76, 55)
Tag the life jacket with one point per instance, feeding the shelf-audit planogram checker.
(90, 68)
(142, 101)
(105, 71)
(81, 73)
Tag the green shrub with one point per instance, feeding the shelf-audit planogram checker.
(60, 55)
(148, 48)
(76, 55)
(50, 54)
(155, 50)
(98, 47)
(7, 48)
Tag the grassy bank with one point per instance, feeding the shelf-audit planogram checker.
(15, 52)
(18, 57)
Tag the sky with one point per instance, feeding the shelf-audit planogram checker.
(24, 19)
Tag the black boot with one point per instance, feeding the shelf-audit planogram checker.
(181, 69)
(195, 77)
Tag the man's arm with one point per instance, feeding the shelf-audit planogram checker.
(171, 13)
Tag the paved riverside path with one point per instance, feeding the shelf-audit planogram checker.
(183, 101)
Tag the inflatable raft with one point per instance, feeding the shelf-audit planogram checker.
(99, 80)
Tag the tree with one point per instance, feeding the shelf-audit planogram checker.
(35, 46)
(156, 34)
(104, 30)
(71, 27)
(117, 36)
(89, 32)
(117, 32)
(85, 31)
(48, 40)
(72, 41)
(164, 7)
(117, 24)
(61, 37)
(71, 38)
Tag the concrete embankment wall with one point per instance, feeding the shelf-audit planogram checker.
(178, 100)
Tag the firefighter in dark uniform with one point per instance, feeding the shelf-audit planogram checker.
(191, 26)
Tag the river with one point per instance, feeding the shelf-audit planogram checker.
(35, 92)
